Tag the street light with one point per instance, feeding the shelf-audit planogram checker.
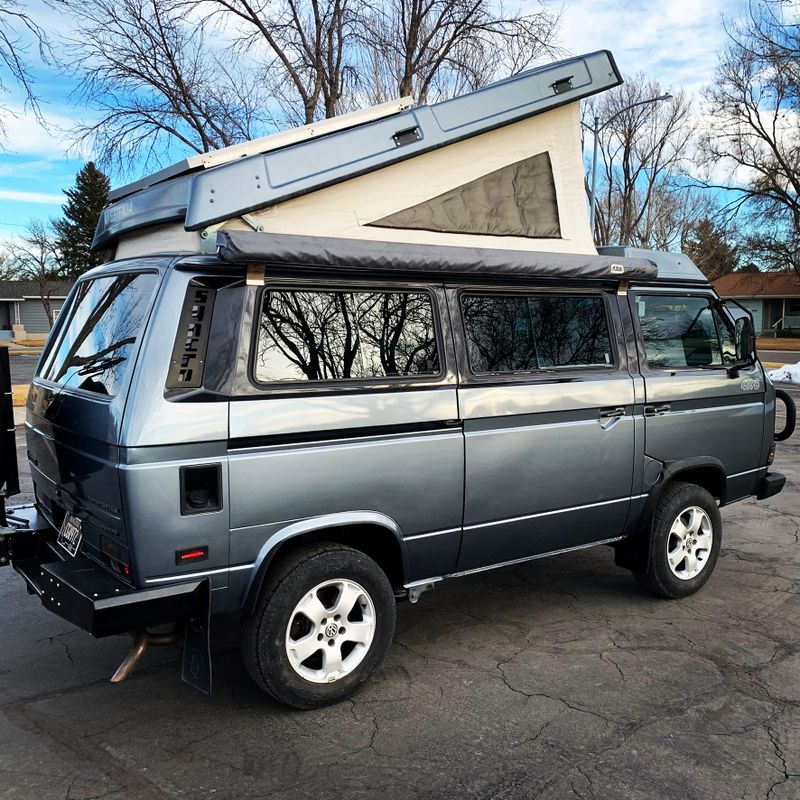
(595, 130)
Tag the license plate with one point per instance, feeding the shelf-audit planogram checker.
(69, 537)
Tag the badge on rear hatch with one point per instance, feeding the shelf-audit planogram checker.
(69, 537)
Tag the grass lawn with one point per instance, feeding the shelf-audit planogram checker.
(19, 394)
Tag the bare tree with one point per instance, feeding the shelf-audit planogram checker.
(439, 48)
(755, 139)
(6, 272)
(35, 257)
(307, 46)
(15, 26)
(643, 146)
(203, 75)
(157, 82)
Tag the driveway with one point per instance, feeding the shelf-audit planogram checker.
(22, 367)
(555, 679)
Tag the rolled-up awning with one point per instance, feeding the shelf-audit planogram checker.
(371, 256)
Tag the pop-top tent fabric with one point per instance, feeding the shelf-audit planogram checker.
(517, 200)
(355, 255)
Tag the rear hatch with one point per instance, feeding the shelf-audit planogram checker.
(77, 402)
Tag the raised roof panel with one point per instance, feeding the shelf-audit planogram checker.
(265, 144)
(202, 194)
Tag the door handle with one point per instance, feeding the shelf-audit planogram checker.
(653, 411)
(619, 411)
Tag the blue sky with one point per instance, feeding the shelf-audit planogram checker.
(675, 43)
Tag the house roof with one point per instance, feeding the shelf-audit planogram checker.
(759, 284)
(17, 290)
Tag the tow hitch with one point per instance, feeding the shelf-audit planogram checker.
(82, 592)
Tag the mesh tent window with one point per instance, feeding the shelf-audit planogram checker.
(515, 200)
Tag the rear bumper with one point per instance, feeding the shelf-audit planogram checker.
(80, 591)
(770, 485)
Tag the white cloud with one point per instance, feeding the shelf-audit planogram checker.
(25, 135)
(676, 43)
(31, 197)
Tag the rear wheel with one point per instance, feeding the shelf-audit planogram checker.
(686, 533)
(322, 626)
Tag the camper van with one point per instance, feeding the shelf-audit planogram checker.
(328, 369)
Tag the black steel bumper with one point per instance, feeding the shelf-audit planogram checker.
(81, 591)
(770, 485)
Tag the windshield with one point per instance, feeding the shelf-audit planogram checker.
(105, 317)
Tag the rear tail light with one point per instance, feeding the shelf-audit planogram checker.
(115, 556)
(771, 455)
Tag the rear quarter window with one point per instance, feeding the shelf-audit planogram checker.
(102, 324)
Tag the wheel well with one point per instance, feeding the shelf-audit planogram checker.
(709, 478)
(379, 543)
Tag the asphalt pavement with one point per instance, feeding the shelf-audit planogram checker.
(779, 356)
(555, 679)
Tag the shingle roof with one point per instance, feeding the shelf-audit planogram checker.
(10, 290)
(759, 284)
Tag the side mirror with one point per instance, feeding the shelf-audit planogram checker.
(745, 342)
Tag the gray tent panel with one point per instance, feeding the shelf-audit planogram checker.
(357, 255)
(516, 200)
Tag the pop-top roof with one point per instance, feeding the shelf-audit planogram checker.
(205, 190)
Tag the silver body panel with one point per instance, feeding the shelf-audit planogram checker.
(510, 486)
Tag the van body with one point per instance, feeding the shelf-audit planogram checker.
(205, 421)
(328, 368)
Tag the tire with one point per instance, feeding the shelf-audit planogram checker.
(685, 518)
(317, 604)
(791, 415)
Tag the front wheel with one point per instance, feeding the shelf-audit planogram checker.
(686, 534)
(322, 626)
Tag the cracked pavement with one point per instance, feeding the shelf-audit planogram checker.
(555, 679)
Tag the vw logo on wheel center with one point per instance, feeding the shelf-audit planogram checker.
(331, 630)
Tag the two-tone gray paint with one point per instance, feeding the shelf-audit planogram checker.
(458, 472)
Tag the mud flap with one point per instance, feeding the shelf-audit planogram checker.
(196, 670)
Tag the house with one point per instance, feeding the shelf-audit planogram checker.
(773, 298)
(22, 313)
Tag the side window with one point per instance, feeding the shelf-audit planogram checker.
(679, 331)
(345, 335)
(528, 333)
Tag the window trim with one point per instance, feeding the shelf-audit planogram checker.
(667, 291)
(555, 375)
(336, 385)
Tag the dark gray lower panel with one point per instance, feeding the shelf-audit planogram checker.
(527, 537)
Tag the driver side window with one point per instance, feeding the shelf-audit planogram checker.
(681, 332)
